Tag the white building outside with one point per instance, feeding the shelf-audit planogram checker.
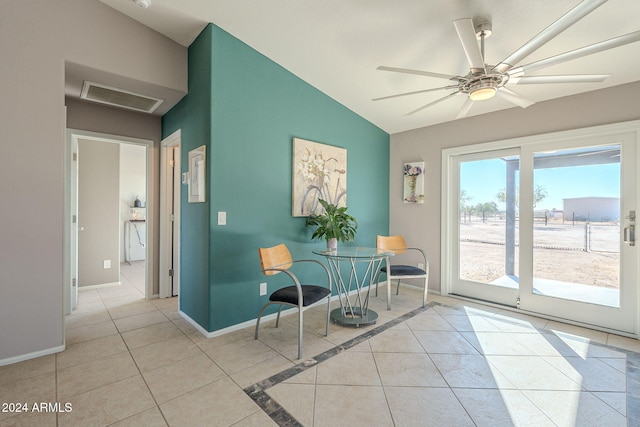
(601, 209)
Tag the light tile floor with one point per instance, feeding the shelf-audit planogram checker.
(131, 362)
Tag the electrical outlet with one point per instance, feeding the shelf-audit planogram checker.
(421, 265)
(107, 263)
(263, 288)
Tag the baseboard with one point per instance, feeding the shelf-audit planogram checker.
(35, 354)
(252, 322)
(232, 328)
(193, 323)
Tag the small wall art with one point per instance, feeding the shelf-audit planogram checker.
(413, 182)
(319, 172)
(197, 174)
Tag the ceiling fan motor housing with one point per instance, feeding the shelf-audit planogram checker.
(483, 81)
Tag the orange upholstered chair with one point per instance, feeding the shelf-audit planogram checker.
(399, 272)
(276, 260)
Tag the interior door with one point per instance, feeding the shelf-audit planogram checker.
(170, 219)
(578, 263)
(175, 224)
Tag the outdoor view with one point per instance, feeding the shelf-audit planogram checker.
(576, 228)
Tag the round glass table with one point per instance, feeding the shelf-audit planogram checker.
(353, 270)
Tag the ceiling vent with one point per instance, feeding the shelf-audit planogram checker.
(119, 98)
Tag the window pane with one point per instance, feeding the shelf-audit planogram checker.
(576, 230)
(488, 221)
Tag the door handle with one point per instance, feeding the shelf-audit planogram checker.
(630, 235)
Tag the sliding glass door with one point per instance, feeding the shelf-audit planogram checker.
(546, 226)
(487, 234)
(580, 199)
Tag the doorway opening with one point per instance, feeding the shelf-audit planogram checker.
(107, 192)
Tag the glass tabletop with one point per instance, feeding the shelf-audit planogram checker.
(354, 252)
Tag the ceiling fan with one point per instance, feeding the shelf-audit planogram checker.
(485, 81)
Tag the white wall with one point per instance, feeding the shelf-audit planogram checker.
(98, 191)
(36, 38)
(133, 182)
(421, 223)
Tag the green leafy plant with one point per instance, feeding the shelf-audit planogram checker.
(335, 223)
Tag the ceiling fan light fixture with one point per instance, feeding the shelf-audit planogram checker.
(482, 93)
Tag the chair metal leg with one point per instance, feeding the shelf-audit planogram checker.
(278, 317)
(426, 289)
(258, 321)
(300, 317)
(398, 288)
(326, 332)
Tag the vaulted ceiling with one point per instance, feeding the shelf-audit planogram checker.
(336, 46)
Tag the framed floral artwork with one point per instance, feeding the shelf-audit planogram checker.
(197, 174)
(413, 182)
(319, 172)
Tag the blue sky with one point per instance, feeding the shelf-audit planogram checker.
(483, 179)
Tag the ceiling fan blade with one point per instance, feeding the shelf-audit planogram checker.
(419, 73)
(564, 22)
(514, 98)
(467, 35)
(579, 53)
(432, 103)
(468, 103)
(568, 78)
(414, 92)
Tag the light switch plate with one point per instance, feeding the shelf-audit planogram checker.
(222, 218)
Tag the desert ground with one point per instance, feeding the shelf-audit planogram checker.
(565, 251)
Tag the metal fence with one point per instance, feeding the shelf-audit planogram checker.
(548, 233)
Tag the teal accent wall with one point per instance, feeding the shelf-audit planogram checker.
(192, 115)
(252, 108)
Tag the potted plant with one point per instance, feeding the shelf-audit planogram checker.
(333, 225)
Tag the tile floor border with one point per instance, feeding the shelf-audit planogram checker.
(257, 391)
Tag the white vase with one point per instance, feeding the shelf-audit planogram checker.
(412, 189)
(332, 244)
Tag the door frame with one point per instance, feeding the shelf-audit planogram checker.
(72, 136)
(169, 230)
(70, 226)
(448, 203)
